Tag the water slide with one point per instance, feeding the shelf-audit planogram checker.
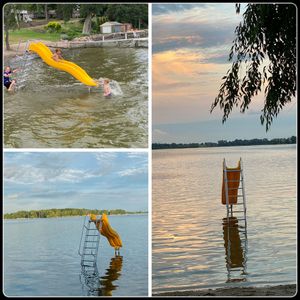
(45, 53)
(233, 177)
(107, 231)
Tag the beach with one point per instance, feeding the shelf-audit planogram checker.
(279, 290)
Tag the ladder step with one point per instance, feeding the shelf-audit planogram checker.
(232, 180)
(88, 228)
(92, 235)
(88, 266)
(90, 248)
(85, 260)
(237, 211)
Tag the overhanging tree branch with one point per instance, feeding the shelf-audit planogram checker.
(265, 44)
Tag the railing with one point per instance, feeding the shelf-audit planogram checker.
(128, 35)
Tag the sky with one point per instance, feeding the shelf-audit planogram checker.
(191, 43)
(92, 180)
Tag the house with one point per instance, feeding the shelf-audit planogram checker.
(111, 27)
(75, 13)
(52, 13)
(126, 27)
(24, 15)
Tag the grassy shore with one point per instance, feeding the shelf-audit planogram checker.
(287, 290)
(71, 28)
(25, 34)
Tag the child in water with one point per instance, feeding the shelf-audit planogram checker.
(57, 56)
(8, 82)
(106, 88)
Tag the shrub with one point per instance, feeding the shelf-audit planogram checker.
(53, 27)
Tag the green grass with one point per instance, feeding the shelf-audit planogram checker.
(25, 34)
(72, 29)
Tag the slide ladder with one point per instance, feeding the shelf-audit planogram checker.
(235, 223)
(233, 192)
(88, 247)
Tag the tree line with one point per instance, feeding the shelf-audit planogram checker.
(64, 212)
(224, 143)
(136, 14)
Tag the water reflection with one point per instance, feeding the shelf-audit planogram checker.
(104, 285)
(235, 243)
(112, 274)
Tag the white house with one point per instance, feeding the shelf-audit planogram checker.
(111, 27)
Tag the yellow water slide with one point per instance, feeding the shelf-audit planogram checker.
(45, 53)
(107, 231)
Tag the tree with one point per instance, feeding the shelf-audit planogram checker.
(46, 12)
(136, 14)
(88, 11)
(64, 11)
(10, 22)
(265, 43)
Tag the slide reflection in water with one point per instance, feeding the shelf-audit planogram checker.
(235, 244)
(102, 286)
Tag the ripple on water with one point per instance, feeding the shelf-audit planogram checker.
(52, 109)
(189, 245)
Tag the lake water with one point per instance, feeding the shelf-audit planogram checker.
(41, 258)
(53, 109)
(189, 242)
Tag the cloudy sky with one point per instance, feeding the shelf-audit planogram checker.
(81, 180)
(191, 43)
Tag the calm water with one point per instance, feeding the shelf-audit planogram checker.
(189, 242)
(41, 258)
(53, 109)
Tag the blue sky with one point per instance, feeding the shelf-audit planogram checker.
(102, 180)
(191, 43)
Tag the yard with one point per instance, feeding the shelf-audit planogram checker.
(70, 30)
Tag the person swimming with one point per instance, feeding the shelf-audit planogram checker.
(7, 81)
(106, 88)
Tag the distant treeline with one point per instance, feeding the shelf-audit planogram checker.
(224, 143)
(65, 212)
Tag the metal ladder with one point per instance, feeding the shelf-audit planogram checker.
(23, 58)
(88, 247)
(235, 225)
(241, 195)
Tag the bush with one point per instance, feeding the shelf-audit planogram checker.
(53, 27)
(70, 33)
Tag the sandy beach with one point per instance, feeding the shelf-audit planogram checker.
(288, 290)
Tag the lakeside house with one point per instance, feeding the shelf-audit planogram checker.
(111, 27)
(126, 27)
(114, 27)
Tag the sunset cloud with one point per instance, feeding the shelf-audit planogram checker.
(191, 44)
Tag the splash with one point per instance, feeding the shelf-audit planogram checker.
(114, 86)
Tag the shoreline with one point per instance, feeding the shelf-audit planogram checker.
(206, 147)
(18, 49)
(58, 217)
(287, 290)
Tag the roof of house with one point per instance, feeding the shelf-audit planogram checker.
(110, 24)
